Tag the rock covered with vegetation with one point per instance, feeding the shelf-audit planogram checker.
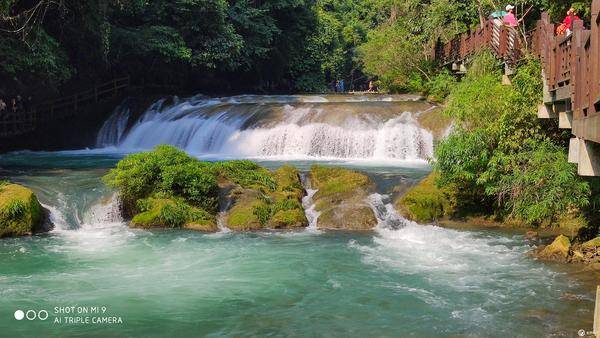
(341, 199)
(168, 188)
(274, 201)
(20, 211)
(426, 202)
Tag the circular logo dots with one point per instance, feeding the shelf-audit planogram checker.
(19, 315)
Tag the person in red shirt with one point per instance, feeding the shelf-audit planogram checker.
(569, 19)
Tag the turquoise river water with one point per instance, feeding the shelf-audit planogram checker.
(93, 276)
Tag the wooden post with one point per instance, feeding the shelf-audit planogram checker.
(594, 90)
(597, 313)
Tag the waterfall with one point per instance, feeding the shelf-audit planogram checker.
(312, 215)
(278, 127)
(387, 216)
(113, 129)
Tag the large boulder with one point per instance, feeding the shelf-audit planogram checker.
(558, 250)
(425, 202)
(341, 199)
(20, 211)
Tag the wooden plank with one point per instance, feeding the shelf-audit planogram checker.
(597, 313)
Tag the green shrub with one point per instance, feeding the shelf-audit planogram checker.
(192, 181)
(536, 184)
(262, 212)
(175, 215)
(138, 175)
(440, 86)
(246, 173)
(484, 64)
(477, 102)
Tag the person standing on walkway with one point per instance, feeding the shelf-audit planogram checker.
(569, 19)
(2, 106)
(509, 19)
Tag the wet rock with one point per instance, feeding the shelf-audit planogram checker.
(426, 202)
(591, 244)
(342, 199)
(557, 250)
(20, 212)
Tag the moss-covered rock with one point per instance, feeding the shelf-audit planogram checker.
(341, 199)
(170, 213)
(277, 208)
(557, 250)
(168, 188)
(592, 244)
(288, 219)
(20, 211)
(425, 202)
(244, 215)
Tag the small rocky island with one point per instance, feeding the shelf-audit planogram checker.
(166, 188)
(21, 213)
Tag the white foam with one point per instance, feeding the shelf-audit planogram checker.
(223, 128)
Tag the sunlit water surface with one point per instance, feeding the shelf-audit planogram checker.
(418, 280)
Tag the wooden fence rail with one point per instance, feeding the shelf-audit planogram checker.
(571, 64)
(20, 122)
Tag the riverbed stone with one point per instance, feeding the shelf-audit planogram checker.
(557, 250)
(591, 244)
(342, 199)
(20, 211)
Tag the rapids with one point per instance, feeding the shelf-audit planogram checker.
(278, 127)
(403, 279)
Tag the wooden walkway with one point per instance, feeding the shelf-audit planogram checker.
(571, 74)
(21, 122)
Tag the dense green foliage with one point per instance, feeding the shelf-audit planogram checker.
(167, 187)
(166, 172)
(294, 45)
(500, 156)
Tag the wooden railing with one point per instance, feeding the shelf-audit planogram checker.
(20, 122)
(503, 41)
(571, 63)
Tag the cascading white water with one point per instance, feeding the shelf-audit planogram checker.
(279, 127)
(113, 129)
(387, 216)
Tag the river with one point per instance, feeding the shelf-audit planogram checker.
(404, 279)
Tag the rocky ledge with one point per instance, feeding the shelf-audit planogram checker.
(341, 199)
(563, 250)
